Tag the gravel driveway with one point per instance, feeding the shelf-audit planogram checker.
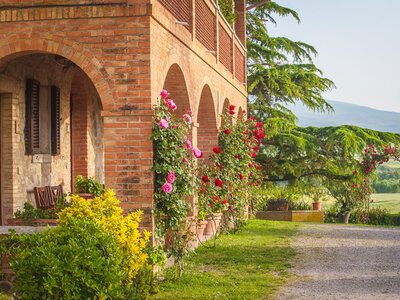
(345, 262)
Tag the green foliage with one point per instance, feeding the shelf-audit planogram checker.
(251, 264)
(302, 205)
(106, 211)
(226, 8)
(327, 152)
(30, 213)
(74, 261)
(232, 165)
(88, 185)
(376, 216)
(280, 71)
(171, 156)
(387, 186)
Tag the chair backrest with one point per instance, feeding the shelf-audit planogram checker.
(47, 196)
(56, 192)
(42, 197)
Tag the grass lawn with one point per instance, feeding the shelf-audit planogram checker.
(390, 201)
(251, 264)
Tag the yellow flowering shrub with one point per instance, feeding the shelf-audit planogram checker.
(106, 211)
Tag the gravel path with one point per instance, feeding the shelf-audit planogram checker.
(346, 262)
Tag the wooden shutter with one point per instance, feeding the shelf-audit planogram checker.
(32, 117)
(55, 120)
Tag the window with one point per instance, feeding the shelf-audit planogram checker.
(42, 126)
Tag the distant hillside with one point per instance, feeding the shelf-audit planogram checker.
(349, 114)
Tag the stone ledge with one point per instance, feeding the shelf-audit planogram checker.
(315, 216)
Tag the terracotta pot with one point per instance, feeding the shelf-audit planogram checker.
(200, 229)
(213, 224)
(38, 222)
(86, 195)
(278, 206)
(317, 205)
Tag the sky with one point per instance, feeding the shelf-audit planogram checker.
(358, 44)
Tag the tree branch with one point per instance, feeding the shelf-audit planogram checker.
(257, 4)
(316, 172)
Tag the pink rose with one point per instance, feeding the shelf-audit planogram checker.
(167, 187)
(187, 118)
(164, 94)
(171, 104)
(197, 153)
(171, 177)
(188, 144)
(184, 160)
(163, 123)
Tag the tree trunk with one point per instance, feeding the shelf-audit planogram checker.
(344, 217)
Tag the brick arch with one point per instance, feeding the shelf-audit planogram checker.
(22, 44)
(207, 132)
(225, 108)
(175, 84)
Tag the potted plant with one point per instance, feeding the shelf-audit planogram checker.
(201, 224)
(278, 204)
(88, 187)
(318, 194)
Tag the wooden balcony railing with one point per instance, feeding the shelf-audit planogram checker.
(207, 25)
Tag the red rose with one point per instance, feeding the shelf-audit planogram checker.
(218, 183)
(241, 176)
(259, 167)
(209, 204)
(227, 131)
(252, 118)
(237, 156)
(205, 179)
(232, 107)
(224, 202)
(216, 150)
(220, 167)
(231, 112)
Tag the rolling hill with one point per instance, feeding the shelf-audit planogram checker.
(349, 114)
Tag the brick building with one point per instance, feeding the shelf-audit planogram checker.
(78, 80)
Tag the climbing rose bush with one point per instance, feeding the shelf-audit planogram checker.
(230, 175)
(174, 168)
(361, 187)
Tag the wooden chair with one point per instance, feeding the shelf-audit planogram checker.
(42, 197)
(47, 196)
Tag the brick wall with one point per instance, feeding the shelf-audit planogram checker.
(126, 49)
(79, 126)
(205, 25)
(225, 48)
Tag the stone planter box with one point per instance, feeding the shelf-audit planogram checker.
(38, 222)
(292, 216)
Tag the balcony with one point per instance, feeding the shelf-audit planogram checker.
(206, 31)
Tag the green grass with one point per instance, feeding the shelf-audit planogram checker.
(389, 201)
(251, 264)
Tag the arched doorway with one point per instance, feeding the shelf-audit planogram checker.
(39, 137)
(207, 133)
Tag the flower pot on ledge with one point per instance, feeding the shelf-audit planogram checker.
(279, 207)
(86, 195)
(37, 222)
(317, 205)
